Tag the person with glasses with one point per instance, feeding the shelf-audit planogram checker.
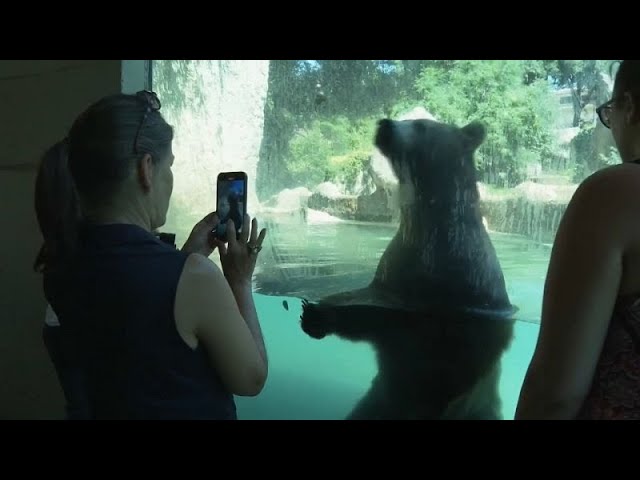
(157, 332)
(586, 364)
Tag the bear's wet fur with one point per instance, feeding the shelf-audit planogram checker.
(437, 311)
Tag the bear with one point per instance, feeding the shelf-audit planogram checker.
(437, 311)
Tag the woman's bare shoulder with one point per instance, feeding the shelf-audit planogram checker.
(617, 185)
(612, 178)
(199, 264)
(607, 202)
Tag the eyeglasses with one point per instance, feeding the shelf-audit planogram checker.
(153, 104)
(604, 112)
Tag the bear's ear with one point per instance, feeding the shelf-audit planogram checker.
(474, 134)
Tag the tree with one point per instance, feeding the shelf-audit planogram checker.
(585, 78)
(515, 107)
(302, 92)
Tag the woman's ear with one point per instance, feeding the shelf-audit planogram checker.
(145, 172)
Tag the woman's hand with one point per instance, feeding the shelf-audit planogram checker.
(238, 257)
(202, 240)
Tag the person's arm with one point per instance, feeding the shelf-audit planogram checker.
(238, 264)
(218, 309)
(243, 293)
(206, 306)
(580, 293)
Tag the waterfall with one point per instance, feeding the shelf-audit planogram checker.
(532, 210)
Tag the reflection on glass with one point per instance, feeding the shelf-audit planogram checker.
(303, 130)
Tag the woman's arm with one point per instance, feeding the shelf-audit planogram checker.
(206, 306)
(580, 293)
(219, 309)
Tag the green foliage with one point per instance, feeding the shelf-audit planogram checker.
(346, 168)
(585, 148)
(320, 114)
(612, 157)
(513, 98)
(178, 83)
(585, 78)
(518, 115)
(571, 73)
(335, 150)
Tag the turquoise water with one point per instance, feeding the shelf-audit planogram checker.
(323, 379)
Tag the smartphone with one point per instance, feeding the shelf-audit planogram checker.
(231, 201)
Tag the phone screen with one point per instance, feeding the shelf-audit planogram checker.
(231, 201)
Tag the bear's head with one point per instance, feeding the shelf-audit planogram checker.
(436, 158)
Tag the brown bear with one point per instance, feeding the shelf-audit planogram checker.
(437, 311)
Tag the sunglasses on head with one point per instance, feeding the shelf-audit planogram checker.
(152, 102)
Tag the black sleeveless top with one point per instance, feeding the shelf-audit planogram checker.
(115, 305)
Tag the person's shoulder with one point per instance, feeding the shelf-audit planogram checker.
(615, 185)
(623, 175)
(198, 266)
(607, 201)
(200, 283)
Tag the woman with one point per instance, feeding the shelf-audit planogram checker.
(586, 364)
(57, 212)
(159, 333)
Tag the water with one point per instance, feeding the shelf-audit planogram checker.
(224, 121)
(322, 379)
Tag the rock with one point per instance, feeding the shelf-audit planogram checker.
(219, 129)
